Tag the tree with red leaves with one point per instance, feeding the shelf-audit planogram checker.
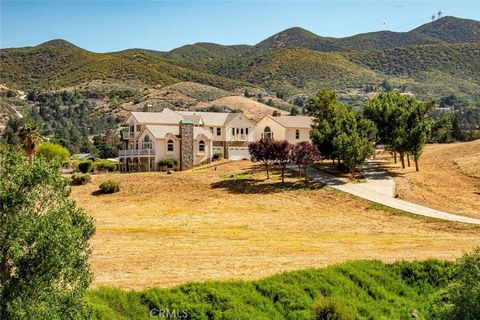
(304, 154)
(263, 151)
(282, 151)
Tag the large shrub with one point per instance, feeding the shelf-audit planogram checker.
(85, 166)
(326, 308)
(78, 179)
(217, 156)
(461, 299)
(53, 152)
(105, 165)
(44, 247)
(110, 186)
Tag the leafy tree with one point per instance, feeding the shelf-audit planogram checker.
(461, 299)
(282, 154)
(387, 85)
(356, 141)
(304, 154)
(53, 152)
(30, 138)
(322, 107)
(262, 151)
(294, 111)
(44, 246)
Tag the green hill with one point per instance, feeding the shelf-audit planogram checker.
(367, 289)
(206, 51)
(452, 30)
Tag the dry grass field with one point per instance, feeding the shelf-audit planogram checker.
(449, 178)
(229, 223)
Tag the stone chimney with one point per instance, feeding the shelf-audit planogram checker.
(186, 144)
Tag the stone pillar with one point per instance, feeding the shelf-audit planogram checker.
(186, 145)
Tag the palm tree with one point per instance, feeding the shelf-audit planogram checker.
(30, 138)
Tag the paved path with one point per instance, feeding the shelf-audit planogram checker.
(380, 188)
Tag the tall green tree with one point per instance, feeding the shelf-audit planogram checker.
(53, 152)
(323, 108)
(30, 138)
(44, 248)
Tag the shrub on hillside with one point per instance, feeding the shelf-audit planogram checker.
(53, 152)
(110, 186)
(461, 298)
(105, 165)
(326, 308)
(78, 179)
(217, 156)
(85, 166)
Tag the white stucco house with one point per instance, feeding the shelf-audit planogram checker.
(291, 128)
(191, 138)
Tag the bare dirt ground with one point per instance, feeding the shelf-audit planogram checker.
(448, 178)
(230, 223)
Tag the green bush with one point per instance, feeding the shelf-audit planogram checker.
(461, 298)
(217, 156)
(85, 166)
(110, 186)
(53, 152)
(78, 179)
(168, 162)
(103, 164)
(329, 309)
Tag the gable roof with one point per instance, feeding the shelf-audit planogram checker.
(167, 116)
(212, 118)
(293, 121)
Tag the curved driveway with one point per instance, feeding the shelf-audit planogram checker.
(380, 188)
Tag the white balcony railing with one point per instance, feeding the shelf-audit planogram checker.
(136, 152)
(128, 135)
(240, 137)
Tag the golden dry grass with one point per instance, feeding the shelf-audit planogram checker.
(163, 230)
(441, 182)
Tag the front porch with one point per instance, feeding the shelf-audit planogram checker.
(139, 163)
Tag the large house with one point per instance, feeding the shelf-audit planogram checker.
(191, 138)
(291, 128)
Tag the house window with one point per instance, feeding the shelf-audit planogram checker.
(201, 146)
(211, 130)
(139, 127)
(147, 144)
(219, 131)
(267, 133)
(170, 146)
(297, 134)
(233, 131)
(241, 131)
(246, 131)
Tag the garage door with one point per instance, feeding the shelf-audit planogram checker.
(238, 153)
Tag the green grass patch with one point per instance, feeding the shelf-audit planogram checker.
(367, 289)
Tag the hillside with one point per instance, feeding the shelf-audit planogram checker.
(438, 59)
(367, 289)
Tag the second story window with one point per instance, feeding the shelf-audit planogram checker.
(170, 146)
(233, 131)
(297, 134)
(211, 130)
(219, 131)
(139, 127)
(201, 146)
(246, 131)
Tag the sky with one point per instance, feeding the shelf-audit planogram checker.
(106, 26)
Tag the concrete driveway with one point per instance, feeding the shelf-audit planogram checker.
(379, 187)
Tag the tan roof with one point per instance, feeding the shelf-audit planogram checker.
(212, 118)
(293, 121)
(195, 118)
(167, 116)
(160, 132)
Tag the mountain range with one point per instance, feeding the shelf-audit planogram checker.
(437, 59)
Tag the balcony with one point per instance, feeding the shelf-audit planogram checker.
(136, 152)
(240, 137)
(126, 135)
